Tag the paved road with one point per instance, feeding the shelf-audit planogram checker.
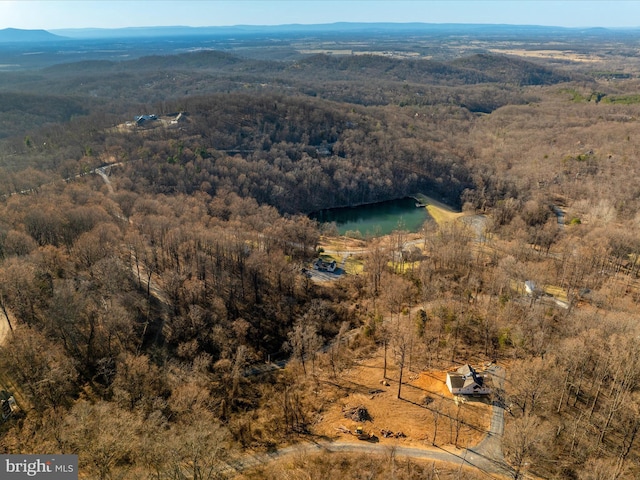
(559, 213)
(325, 276)
(452, 456)
(490, 447)
(102, 171)
(4, 328)
(486, 456)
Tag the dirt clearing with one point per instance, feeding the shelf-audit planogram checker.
(425, 405)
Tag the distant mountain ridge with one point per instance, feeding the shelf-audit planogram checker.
(15, 35)
(415, 27)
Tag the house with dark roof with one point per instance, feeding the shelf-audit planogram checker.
(7, 405)
(466, 381)
(142, 119)
(325, 264)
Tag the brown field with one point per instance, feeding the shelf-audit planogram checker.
(410, 414)
(549, 55)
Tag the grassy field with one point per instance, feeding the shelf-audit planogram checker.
(553, 290)
(337, 247)
(556, 292)
(341, 244)
(354, 265)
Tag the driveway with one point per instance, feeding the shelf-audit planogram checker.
(490, 447)
(4, 327)
(486, 456)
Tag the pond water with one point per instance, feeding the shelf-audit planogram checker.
(376, 219)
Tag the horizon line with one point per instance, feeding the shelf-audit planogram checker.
(247, 25)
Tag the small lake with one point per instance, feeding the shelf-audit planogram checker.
(376, 219)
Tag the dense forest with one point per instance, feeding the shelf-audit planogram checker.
(149, 270)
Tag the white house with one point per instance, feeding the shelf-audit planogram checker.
(529, 287)
(466, 381)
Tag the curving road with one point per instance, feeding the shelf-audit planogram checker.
(490, 447)
(486, 456)
(454, 457)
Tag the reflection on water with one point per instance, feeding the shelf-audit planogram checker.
(377, 218)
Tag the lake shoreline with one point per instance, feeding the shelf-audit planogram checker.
(377, 218)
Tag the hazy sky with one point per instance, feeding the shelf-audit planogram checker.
(52, 14)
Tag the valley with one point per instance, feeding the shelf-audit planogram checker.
(159, 232)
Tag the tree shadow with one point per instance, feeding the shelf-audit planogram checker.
(353, 387)
(501, 467)
(427, 407)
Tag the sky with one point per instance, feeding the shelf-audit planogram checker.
(57, 14)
